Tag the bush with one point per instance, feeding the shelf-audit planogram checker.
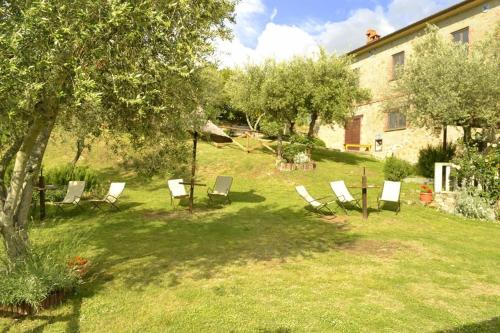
(63, 174)
(304, 140)
(396, 169)
(290, 152)
(473, 206)
(480, 167)
(432, 154)
(44, 270)
(270, 128)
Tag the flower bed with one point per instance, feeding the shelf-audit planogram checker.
(54, 299)
(285, 166)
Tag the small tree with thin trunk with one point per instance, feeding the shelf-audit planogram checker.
(450, 84)
(332, 89)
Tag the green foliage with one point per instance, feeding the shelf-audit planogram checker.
(480, 167)
(45, 269)
(446, 83)
(429, 155)
(288, 91)
(305, 140)
(396, 169)
(65, 173)
(474, 206)
(290, 151)
(270, 128)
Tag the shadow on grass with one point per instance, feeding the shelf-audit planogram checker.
(323, 154)
(492, 325)
(143, 250)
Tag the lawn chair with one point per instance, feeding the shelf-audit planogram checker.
(221, 188)
(73, 195)
(111, 198)
(343, 195)
(177, 190)
(316, 204)
(390, 193)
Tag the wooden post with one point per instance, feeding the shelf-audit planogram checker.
(193, 172)
(364, 194)
(41, 186)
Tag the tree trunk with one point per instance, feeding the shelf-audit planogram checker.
(445, 137)
(312, 125)
(279, 150)
(15, 244)
(467, 135)
(34, 164)
(292, 127)
(4, 164)
(80, 146)
(249, 122)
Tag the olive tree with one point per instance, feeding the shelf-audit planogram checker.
(122, 66)
(333, 89)
(446, 83)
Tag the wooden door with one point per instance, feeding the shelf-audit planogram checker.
(353, 132)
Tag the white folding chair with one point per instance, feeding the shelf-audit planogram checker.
(391, 193)
(343, 195)
(316, 204)
(177, 190)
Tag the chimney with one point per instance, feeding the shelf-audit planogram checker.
(371, 36)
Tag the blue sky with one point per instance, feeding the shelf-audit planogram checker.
(282, 28)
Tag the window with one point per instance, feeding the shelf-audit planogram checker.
(398, 61)
(461, 36)
(395, 120)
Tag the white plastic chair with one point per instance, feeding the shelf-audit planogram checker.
(391, 193)
(316, 204)
(343, 195)
(177, 190)
(111, 198)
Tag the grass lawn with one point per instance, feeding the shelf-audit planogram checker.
(264, 263)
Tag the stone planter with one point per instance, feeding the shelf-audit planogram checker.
(425, 197)
(284, 166)
(52, 300)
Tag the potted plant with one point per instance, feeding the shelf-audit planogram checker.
(425, 194)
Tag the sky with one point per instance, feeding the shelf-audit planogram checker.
(280, 29)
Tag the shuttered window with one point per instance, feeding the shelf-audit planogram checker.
(395, 120)
(461, 36)
(398, 62)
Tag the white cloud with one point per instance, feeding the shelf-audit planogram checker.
(273, 14)
(346, 35)
(255, 40)
(247, 15)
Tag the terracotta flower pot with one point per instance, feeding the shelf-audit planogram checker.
(425, 197)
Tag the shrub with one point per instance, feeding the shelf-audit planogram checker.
(270, 128)
(44, 270)
(480, 167)
(304, 140)
(63, 174)
(430, 155)
(290, 151)
(396, 169)
(473, 206)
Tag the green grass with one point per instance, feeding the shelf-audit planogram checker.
(264, 263)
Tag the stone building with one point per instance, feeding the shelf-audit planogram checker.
(388, 133)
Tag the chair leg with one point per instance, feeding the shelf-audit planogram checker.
(341, 205)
